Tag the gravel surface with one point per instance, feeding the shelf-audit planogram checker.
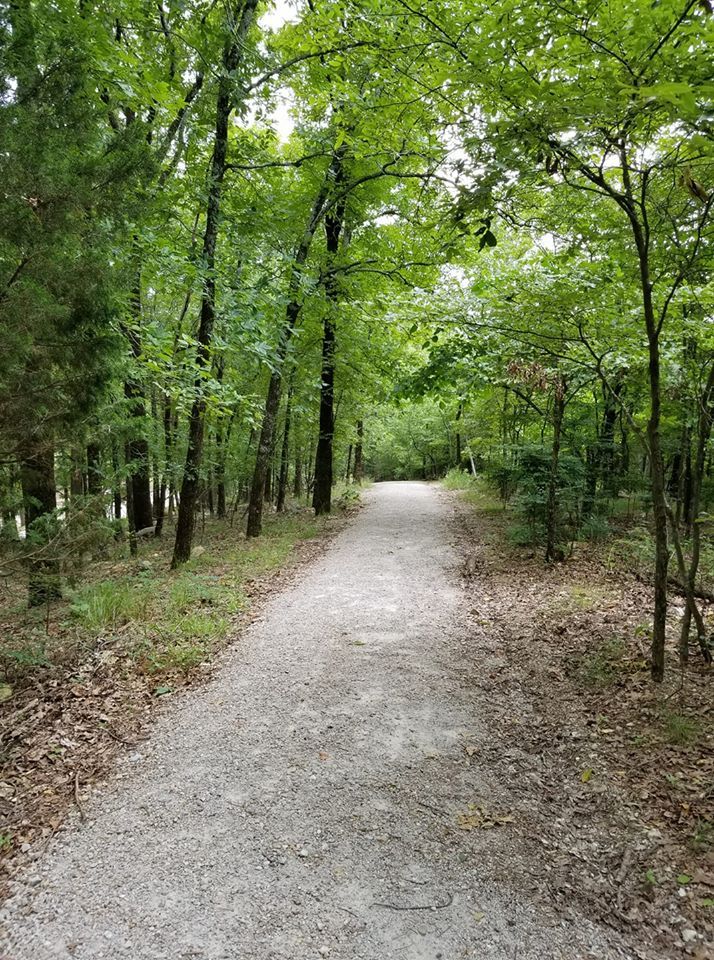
(317, 798)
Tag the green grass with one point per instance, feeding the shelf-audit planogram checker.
(474, 489)
(160, 620)
(110, 603)
(458, 480)
(680, 729)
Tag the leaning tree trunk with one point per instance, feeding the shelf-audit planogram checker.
(39, 495)
(196, 424)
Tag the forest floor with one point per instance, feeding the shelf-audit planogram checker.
(614, 775)
(414, 752)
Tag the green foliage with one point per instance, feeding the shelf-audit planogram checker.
(110, 604)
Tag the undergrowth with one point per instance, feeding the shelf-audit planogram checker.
(155, 619)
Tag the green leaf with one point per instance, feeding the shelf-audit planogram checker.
(684, 879)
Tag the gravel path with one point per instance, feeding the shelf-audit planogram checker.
(306, 802)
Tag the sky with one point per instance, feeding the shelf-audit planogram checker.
(279, 13)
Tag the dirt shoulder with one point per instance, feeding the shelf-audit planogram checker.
(614, 776)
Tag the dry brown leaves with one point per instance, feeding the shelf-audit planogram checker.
(614, 775)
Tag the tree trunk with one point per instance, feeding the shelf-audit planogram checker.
(130, 515)
(551, 512)
(359, 461)
(348, 469)
(322, 492)
(459, 454)
(285, 452)
(704, 429)
(39, 495)
(167, 471)
(272, 400)
(297, 482)
(137, 447)
(95, 486)
(334, 224)
(116, 468)
(659, 495)
(224, 107)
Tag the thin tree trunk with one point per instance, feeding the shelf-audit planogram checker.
(116, 467)
(137, 447)
(95, 487)
(459, 454)
(167, 471)
(359, 460)
(297, 481)
(689, 577)
(348, 468)
(272, 400)
(224, 107)
(551, 504)
(130, 515)
(285, 452)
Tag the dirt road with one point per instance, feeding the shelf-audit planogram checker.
(322, 796)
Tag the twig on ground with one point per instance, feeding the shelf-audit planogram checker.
(426, 906)
(115, 736)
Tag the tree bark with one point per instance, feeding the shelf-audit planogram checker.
(224, 107)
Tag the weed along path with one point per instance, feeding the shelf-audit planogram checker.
(322, 796)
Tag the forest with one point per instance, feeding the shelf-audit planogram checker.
(255, 256)
(242, 257)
